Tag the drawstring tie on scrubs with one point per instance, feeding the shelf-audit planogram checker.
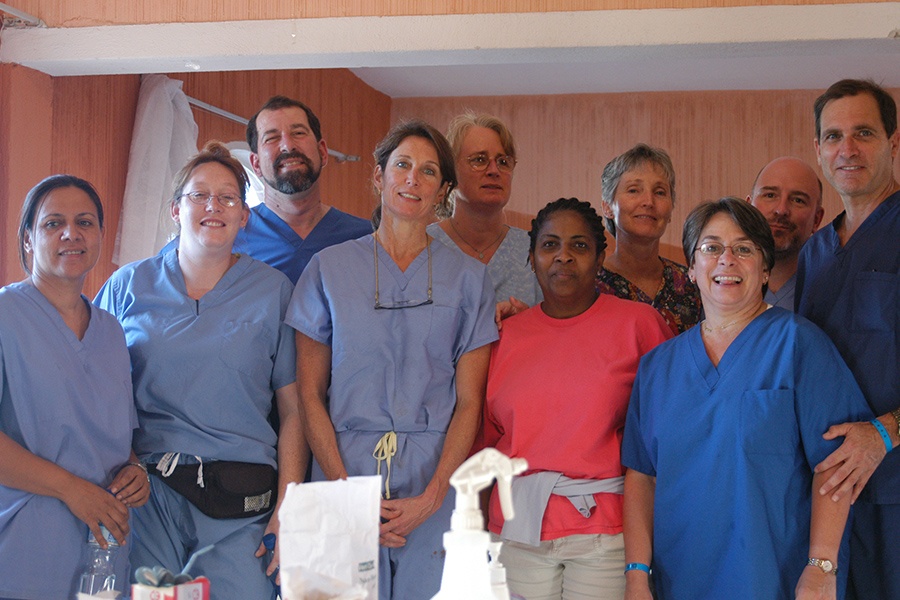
(167, 465)
(384, 451)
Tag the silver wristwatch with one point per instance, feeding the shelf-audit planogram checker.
(826, 565)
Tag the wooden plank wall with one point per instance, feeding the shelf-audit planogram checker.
(718, 141)
(83, 126)
(26, 117)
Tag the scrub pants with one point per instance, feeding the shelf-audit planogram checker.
(874, 552)
(169, 529)
(574, 567)
(414, 571)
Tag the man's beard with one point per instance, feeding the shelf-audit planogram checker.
(793, 242)
(295, 180)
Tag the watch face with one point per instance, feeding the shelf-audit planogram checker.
(827, 566)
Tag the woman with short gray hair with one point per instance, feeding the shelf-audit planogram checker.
(638, 190)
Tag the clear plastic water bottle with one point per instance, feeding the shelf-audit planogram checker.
(100, 575)
(269, 543)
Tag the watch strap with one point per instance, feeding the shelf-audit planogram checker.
(896, 413)
(828, 567)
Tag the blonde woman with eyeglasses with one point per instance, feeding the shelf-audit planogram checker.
(394, 333)
(211, 360)
(485, 156)
(723, 432)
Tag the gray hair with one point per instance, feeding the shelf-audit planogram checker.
(640, 154)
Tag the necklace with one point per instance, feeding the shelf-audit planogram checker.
(709, 329)
(480, 253)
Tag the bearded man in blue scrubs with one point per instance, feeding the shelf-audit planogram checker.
(292, 223)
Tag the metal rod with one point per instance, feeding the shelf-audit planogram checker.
(22, 16)
(217, 111)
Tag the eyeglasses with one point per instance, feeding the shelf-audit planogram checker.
(202, 198)
(740, 250)
(480, 162)
(401, 303)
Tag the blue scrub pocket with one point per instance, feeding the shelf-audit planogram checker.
(769, 423)
(244, 348)
(875, 302)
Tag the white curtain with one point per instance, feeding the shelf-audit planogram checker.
(164, 137)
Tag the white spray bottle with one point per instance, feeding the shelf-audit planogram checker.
(467, 573)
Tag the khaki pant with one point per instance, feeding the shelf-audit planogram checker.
(575, 567)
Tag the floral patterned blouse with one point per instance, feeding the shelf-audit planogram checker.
(678, 300)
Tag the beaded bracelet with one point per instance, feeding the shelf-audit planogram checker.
(637, 567)
(888, 445)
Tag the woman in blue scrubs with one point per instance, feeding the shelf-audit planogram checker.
(723, 432)
(66, 410)
(210, 357)
(394, 331)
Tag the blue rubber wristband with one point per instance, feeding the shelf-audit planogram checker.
(884, 434)
(637, 567)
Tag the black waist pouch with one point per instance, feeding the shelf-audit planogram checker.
(231, 490)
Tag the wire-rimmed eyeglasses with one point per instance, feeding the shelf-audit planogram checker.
(202, 198)
(401, 303)
(715, 250)
(480, 162)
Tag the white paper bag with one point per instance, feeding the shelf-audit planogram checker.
(330, 529)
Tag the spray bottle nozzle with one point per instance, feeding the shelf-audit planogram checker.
(477, 474)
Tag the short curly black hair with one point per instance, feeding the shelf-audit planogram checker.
(584, 209)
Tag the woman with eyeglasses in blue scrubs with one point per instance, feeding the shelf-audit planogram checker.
(394, 333)
(724, 429)
(211, 359)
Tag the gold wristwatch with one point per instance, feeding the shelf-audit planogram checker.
(896, 414)
(826, 565)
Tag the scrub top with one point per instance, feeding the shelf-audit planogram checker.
(68, 401)
(205, 370)
(509, 267)
(393, 369)
(732, 449)
(853, 293)
(268, 238)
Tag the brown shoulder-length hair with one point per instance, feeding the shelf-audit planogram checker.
(421, 129)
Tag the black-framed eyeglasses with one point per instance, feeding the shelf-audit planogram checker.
(402, 303)
(202, 198)
(480, 162)
(742, 250)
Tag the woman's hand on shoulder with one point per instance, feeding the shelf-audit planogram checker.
(403, 515)
(508, 308)
(816, 585)
(131, 485)
(95, 506)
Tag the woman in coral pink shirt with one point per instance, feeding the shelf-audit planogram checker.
(558, 388)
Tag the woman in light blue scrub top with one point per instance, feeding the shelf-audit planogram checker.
(66, 409)
(211, 358)
(394, 331)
